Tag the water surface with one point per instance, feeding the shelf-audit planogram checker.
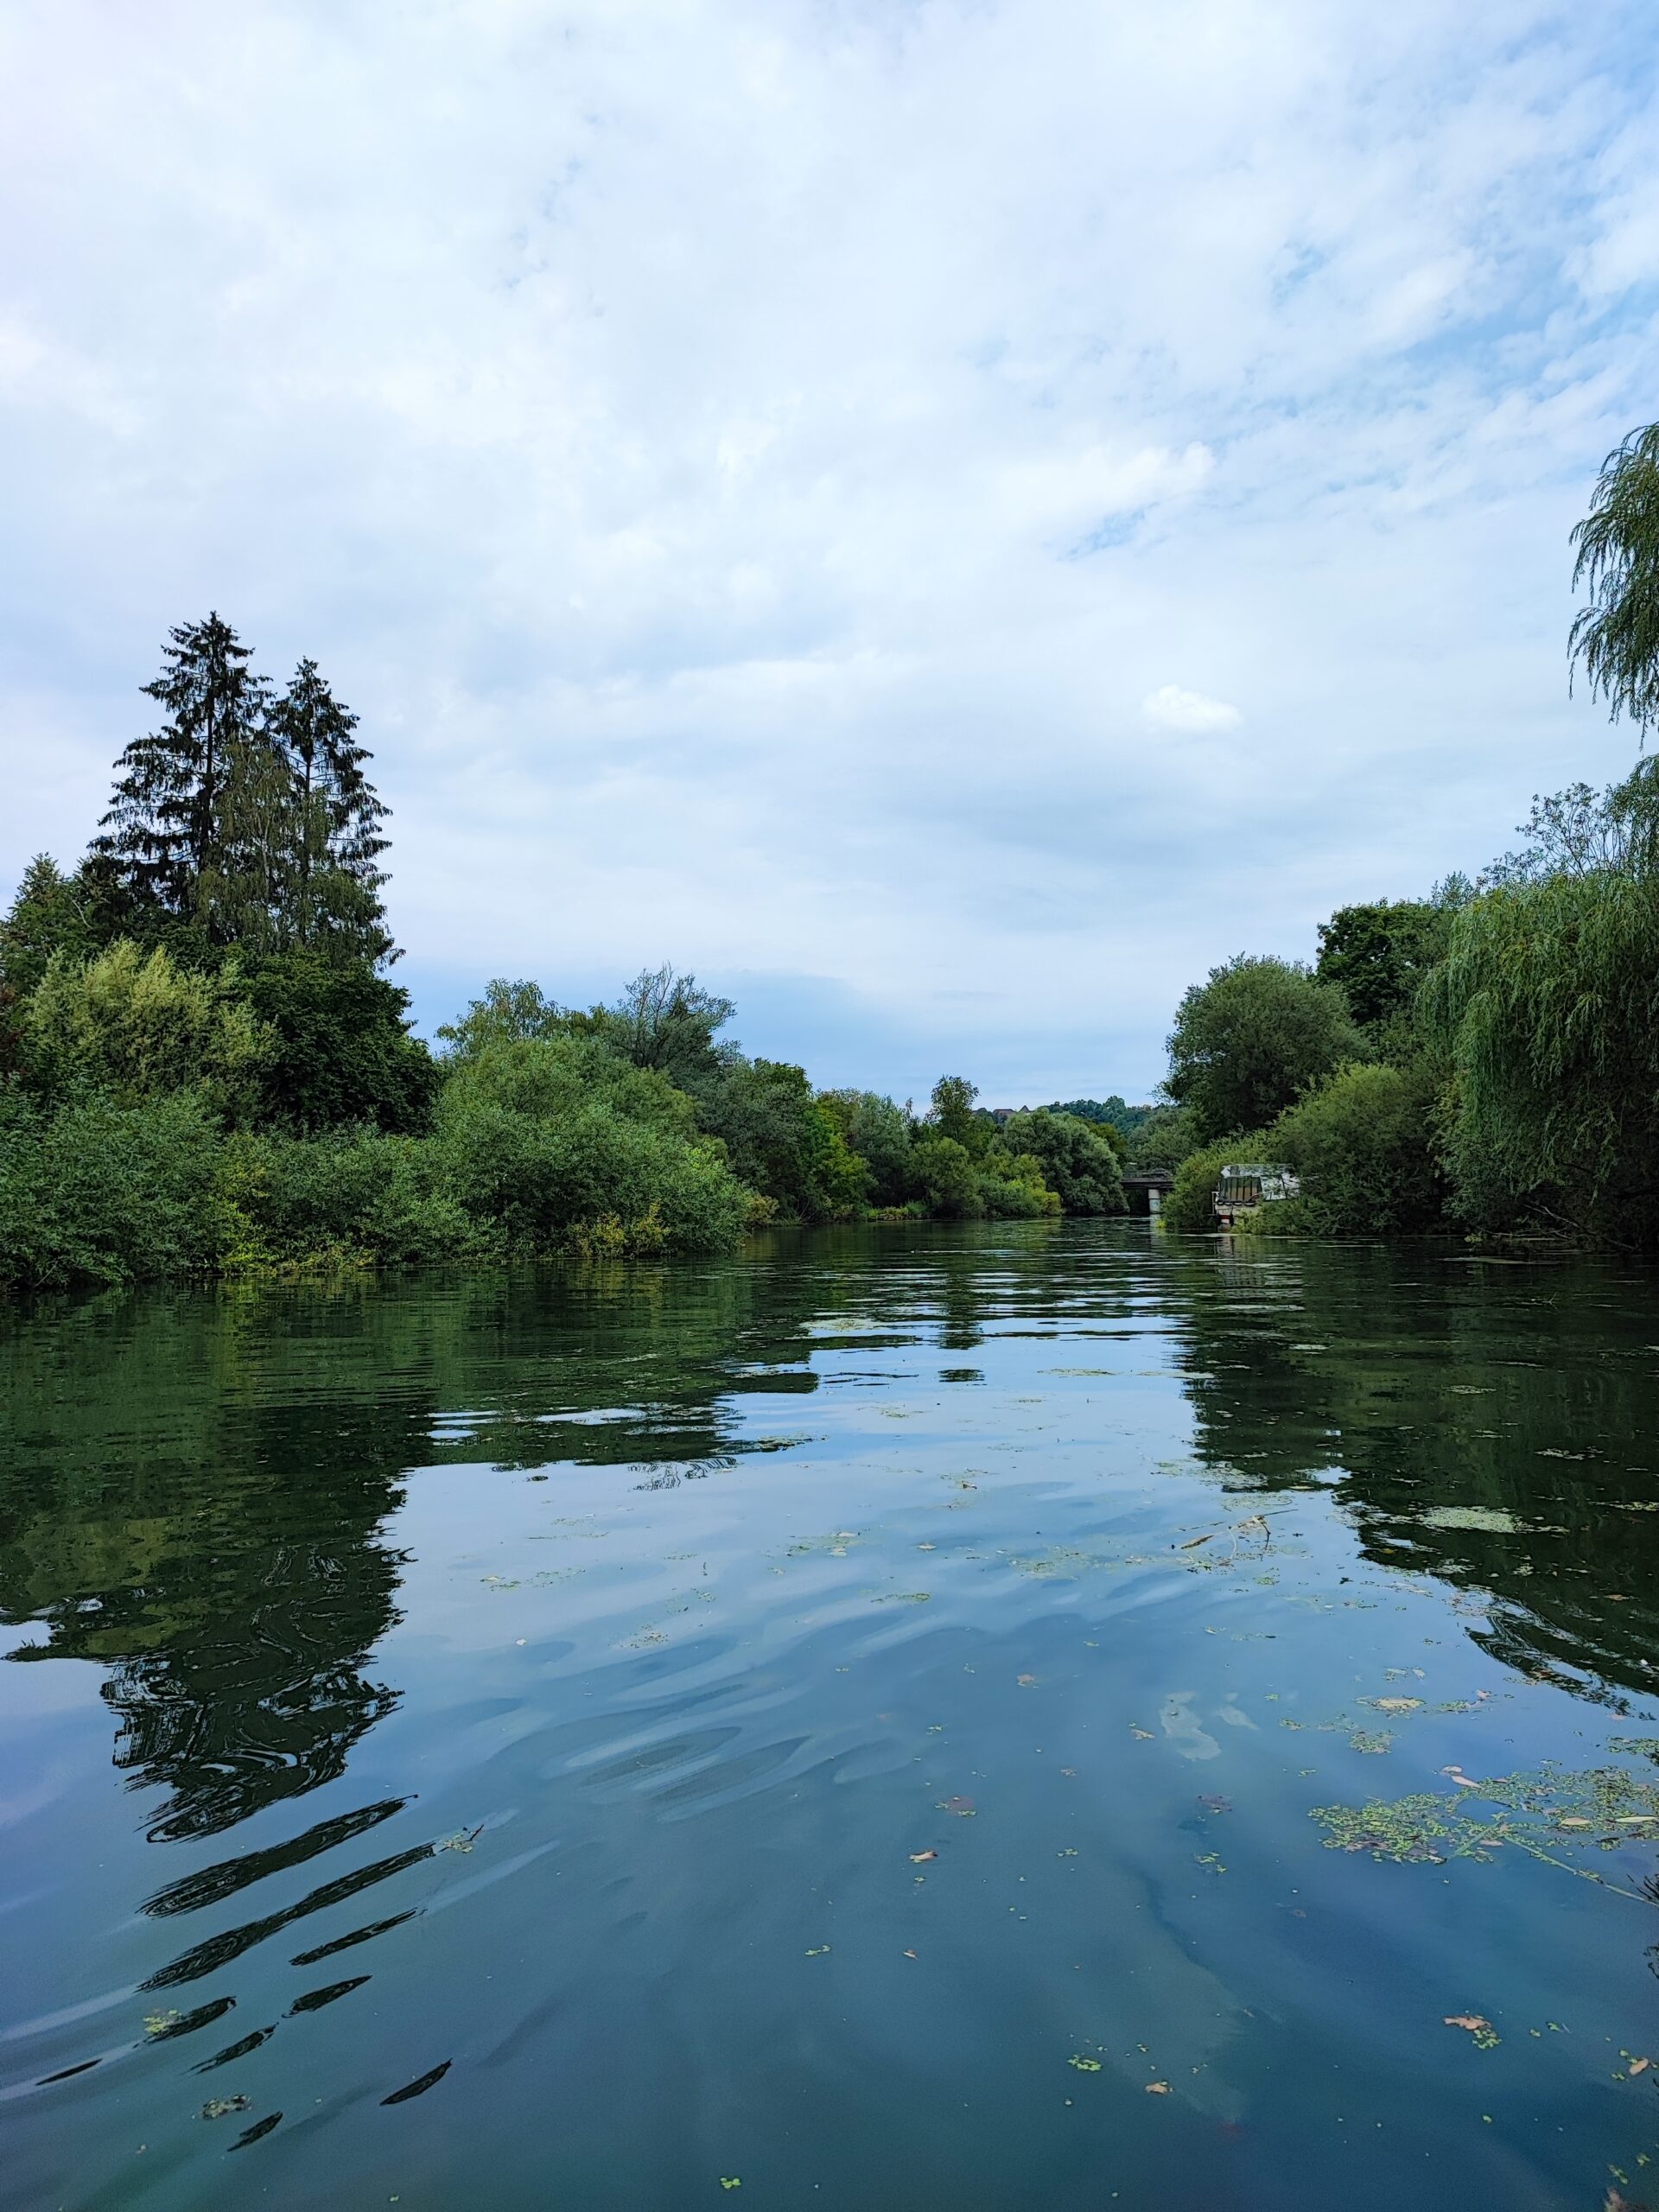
(875, 1723)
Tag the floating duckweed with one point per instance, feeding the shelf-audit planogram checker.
(1545, 1815)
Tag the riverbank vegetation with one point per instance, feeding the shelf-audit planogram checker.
(1485, 1060)
(206, 1067)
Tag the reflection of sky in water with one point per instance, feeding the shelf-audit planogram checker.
(529, 1732)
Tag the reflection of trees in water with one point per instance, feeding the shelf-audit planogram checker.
(1495, 1426)
(211, 1540)
(193, 1487)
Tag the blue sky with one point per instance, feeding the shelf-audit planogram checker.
(947, 520)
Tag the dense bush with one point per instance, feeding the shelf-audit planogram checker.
(1361, 1144)
(1079, 1163)
(546, 1144)
(1191, 1204)
(784, 1142)
(339, 1051)
(104, 1192)
(135, 1026)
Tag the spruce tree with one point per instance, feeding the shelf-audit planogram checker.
(340, 838)
(161, 833)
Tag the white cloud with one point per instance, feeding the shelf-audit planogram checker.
(754, 466)
(1172, 709)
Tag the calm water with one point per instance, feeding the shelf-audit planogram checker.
(849, 1723)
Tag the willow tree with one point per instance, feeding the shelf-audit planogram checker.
(1615, 639)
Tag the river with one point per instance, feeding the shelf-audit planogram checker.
(1032, 1716)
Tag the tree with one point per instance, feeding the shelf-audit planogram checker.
(880, 1134)
(1363, 1143)
(132, 1023)
(1546, 1007)
(664, 1020)
(507, 1013)
(1162, 1141)
(1078, 1162)
(1378, 954)
(340, 1049)
(953, 1116)
(162, 828)
(783, 1142)
(1110, 1113)
(1580, 831)
(1615, 639)
(1246, 1041)
(339, 815)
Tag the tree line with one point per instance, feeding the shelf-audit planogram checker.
(1486, 1060)
(206, 1067)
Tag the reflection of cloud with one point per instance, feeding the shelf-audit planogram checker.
(1172, 709)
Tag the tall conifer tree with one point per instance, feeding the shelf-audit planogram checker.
(160, 836)
(341, 841)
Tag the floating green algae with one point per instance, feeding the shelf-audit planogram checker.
(1549, 1814)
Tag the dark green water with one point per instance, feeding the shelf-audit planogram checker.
(484, 1734)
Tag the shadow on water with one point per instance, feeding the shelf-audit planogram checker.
(204, 1494)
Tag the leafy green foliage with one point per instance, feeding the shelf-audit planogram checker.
(1547, 1009)
(1615, 639)
(1077, 1161)
(953, 1116)
(507, 1013)
(663, 1020)
(1162, 1140)
(104, 1192)
(880, 1134)
(1377, 955)
(1246, 1041)
(340, 1050)
(135, 1026)
(1189, 1206)
(946, 1179)
(782, 1140)
(1361, 1142)
(550, 1145)
(1110, 1113)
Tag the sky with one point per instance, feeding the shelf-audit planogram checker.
(945, 520)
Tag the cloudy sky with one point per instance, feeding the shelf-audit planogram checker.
(946, 519)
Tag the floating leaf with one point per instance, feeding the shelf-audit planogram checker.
(731, 2181)
(1084, 2065)
(1485, 2035)
(963, 1808)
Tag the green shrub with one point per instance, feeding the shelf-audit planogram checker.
(100, 1191)
(349, 1193)
(1011, 1188)
(1191, 1204)
(1362, 1144)
(133, 1024)
(539, 1142)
